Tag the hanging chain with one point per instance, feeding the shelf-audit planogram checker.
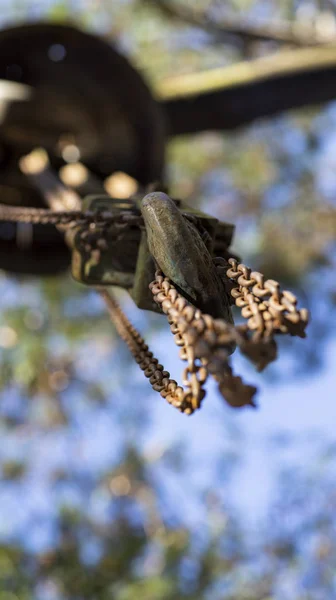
(268, 310)
(204, 342)
(183, 400)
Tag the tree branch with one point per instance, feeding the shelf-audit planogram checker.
(230, 28)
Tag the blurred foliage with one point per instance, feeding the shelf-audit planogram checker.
(136, 551)
(80, 523)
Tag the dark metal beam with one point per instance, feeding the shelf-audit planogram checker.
(230, 97)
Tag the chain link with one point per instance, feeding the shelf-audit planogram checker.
(67, 218)
(205, 343)
(78, 218)
(268, 310)
(159, 379)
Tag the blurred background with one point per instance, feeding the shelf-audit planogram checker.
(106, 492)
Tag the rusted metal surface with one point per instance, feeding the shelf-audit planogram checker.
(178, 249)
(107, 254)
(113, 244)
(170, 237)
(209, 340)
(267, 309)
(205, 342)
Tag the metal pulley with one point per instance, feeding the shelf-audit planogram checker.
(76, 96)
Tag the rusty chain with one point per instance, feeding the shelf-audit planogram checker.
(268, 310)
(204, 341)
(153, 370)
(78, 218)
(203, 345)
(67, 218)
